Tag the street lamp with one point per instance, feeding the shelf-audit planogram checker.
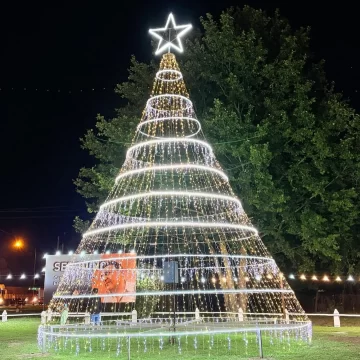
(19, 244)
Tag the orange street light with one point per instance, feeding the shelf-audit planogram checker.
(18, 244)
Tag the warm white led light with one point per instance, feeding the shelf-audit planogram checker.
(182, 291)
(184, 224)
(194, 194)
(168, 140)
(172, 167)
(169, 118)
(262, 259)
(9, 277)
(23, 276)
(166, 37)
(169, 71)
(36, 276)
(298, 325)
(150, 103)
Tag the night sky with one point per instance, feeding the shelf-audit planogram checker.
(59, 66)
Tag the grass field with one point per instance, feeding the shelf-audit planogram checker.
(18, 340)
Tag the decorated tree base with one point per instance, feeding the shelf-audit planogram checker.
(146, 337)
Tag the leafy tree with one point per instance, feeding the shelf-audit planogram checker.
(289, 143)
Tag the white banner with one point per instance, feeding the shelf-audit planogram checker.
(54, 269)
(113, 274)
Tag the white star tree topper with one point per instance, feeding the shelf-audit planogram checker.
(171, 35)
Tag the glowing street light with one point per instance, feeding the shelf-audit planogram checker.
(23, 276)
(36, 276)
(9, 277)
(19, 244)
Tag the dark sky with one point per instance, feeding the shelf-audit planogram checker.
(53, 56)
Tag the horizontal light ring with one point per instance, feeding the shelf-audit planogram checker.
(169, 140)
(156, 97)
(180, 291)
(189, 224)
(172, 167)
(169, 118)
(173, 193)
(293, 325)
(171, 256)
(169, 71)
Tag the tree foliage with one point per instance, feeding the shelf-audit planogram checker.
(287, 140)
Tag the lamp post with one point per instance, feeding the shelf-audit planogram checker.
(19, 245)
(34, 265)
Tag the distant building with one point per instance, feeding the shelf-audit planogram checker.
(12, 295)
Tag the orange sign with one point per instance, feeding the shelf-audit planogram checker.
(115, 277)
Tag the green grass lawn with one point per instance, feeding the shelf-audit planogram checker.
(18, 340)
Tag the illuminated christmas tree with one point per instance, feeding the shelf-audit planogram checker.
(172, 238)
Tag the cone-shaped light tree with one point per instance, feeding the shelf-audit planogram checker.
(172, 236)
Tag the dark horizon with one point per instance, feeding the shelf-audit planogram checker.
(60, 65)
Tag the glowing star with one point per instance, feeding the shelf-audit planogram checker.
(170, 36)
